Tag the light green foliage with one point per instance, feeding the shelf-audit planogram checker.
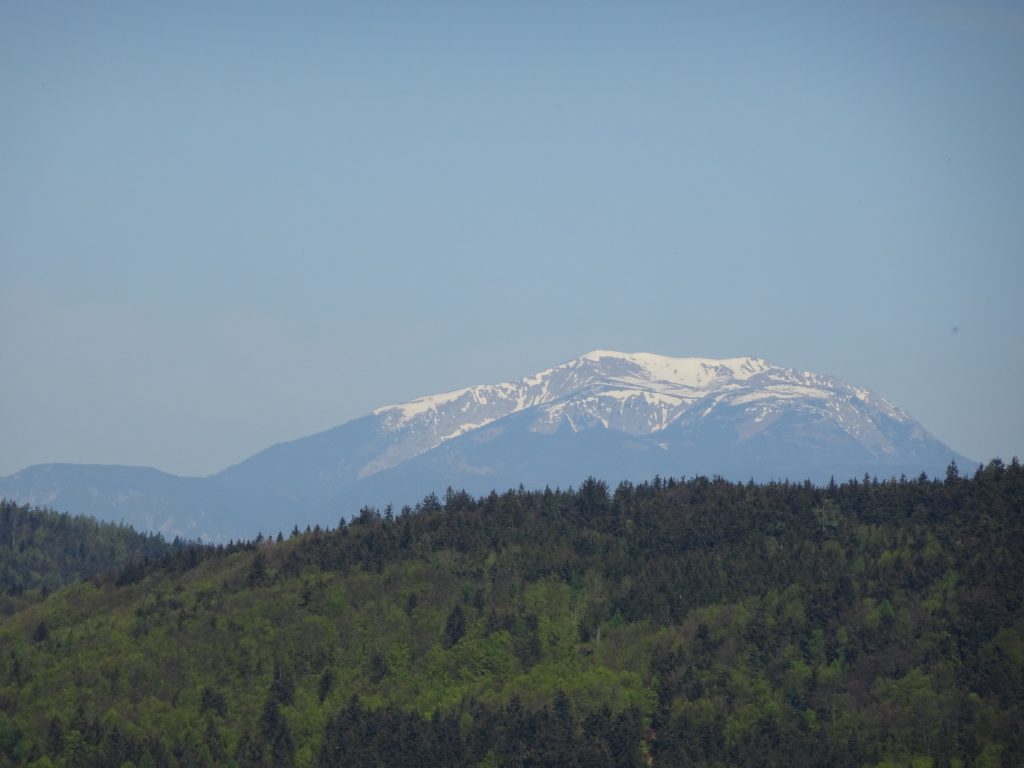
(728, 630)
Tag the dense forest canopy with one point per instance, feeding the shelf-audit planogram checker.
(667, 623)
(40, 548)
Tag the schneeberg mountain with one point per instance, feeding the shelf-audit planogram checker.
(612, 415)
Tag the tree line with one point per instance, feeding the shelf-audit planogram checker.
(678, 621)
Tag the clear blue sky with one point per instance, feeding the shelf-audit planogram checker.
(226, 225)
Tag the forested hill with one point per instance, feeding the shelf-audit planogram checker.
(40, 548)
(668, 623)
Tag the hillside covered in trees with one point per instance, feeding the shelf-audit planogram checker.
(695, 622)
(42, 549)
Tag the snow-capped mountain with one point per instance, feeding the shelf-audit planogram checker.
(638, 394)
(609, 414)
(633, 393)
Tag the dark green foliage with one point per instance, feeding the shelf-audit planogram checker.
(694, 622)
(213, 701)
(548, 738)
(282, 686)
(325, 685)
(258, 571)
(274, 731)
(455, 627)
(40, 549)
(41, 633)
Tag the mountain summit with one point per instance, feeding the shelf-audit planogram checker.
(636, 393)
(643, 394)
(613, 415)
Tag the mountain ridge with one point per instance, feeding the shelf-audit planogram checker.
(614, 415)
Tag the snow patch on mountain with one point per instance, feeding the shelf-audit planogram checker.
(637, 393)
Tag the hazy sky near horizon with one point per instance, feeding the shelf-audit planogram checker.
(225, 225)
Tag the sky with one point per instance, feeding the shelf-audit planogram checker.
(226, 225)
